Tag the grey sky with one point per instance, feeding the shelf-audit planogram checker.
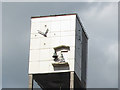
(100, 21)
(119, 45)
(0, 45)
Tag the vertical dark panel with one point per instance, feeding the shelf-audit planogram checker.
(81, 41)
(84, 59)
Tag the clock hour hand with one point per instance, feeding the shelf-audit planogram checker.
(46, 32)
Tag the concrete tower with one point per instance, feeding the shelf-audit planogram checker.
(58, 52)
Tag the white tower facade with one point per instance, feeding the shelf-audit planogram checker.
(58, 44)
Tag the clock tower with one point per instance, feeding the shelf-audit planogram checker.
(58, 52)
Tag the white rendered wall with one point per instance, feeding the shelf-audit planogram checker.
(61, 32)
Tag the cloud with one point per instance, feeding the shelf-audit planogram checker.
(112, 52)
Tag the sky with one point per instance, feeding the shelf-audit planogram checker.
(100, 21)
(118, 45)
(0, 45)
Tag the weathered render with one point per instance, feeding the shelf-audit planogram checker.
(58, 51)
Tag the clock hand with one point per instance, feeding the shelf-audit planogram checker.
(46, 32)
(41, 33)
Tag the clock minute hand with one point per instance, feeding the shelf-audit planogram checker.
(41, 32)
